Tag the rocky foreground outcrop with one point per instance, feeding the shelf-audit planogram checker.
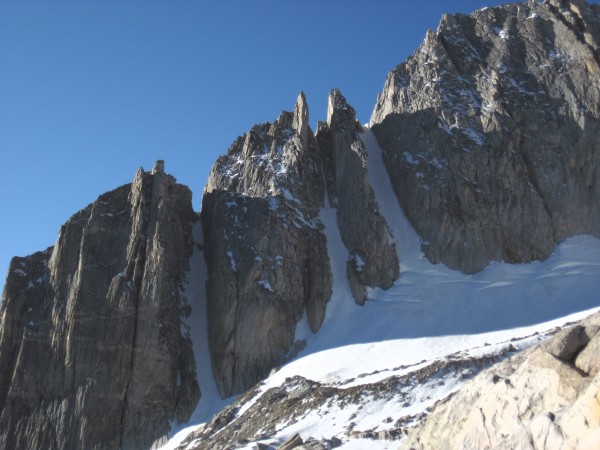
(259, 417)
(91, 353)
(545, 398)
(490, 132)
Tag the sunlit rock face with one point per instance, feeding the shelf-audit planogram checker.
(546, 397)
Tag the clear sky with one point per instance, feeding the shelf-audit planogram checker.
(92, 90)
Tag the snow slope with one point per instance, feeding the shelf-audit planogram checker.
(211, 401)
(429, 314)
(433, 311)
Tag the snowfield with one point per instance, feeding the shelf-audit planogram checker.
(431, 314)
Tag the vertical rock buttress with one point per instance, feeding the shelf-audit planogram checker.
(91, 352)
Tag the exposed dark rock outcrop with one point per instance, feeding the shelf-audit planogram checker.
(91, 353)
(373, 260)
(265, 249)
(490, 132)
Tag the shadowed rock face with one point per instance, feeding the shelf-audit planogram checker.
(490, 132)
(264, 247)
(372, 258)
(91, 353)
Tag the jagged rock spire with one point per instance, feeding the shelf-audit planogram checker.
(300, 123)
(373, 259)
(338, 110)
(159, 167)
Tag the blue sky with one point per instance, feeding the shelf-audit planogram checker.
(90, 91)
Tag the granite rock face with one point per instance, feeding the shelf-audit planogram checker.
(372, 257)
(265, 250)
(491, 136)
(266, 247)
(490, 132)
(547, 397)
(91, 352)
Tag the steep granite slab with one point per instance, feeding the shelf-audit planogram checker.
(373, 260)
(91, 352)
(491, 132)
(265, 250)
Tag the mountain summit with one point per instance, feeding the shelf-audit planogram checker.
(482, 148)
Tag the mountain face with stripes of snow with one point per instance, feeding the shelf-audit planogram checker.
(341, 281)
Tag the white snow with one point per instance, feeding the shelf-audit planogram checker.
(303, 330)
(265, 284)
(428, 315)
(437, 163)
(519, 87)
(360, 263)
(289, 196)
(474, 136)
(211, 401)
(340, 303)
(503, 34)
(557, 56)
(232, 262)
(409, 158)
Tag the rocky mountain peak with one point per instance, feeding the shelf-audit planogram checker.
(266, 245)
(488, 134)
(476, 123)
(339, 111)
(575, 5)
(159, 167)
(372, 258)
(266, 253)
(300, 123)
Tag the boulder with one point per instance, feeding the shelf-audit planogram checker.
(530, 401)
